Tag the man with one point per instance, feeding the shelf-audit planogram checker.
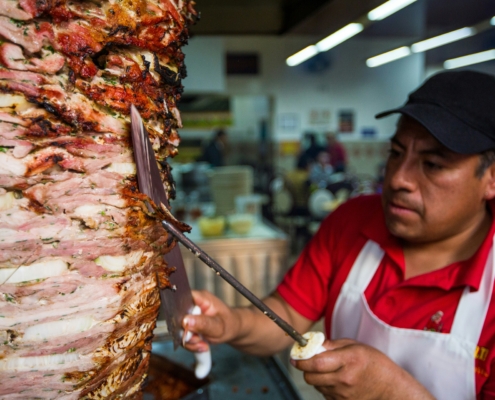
(214, 152)
(338, 155)
(404, 280)
(308, 156)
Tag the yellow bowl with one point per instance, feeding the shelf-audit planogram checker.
(211, 226)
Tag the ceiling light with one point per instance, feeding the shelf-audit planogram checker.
(328, 43)
(470, 59)
(492, 21)
(442, 39)
(388, 8)
(302, 56)
(340, 36)
(388, 57)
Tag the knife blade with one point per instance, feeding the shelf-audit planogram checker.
(176, 303)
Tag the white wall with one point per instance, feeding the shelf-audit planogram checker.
(205, 66)
(346, 84)
(281, 90)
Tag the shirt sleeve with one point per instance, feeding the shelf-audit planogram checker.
(305, 286)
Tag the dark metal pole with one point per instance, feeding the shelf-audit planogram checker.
(193, 248)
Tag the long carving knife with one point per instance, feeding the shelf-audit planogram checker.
(305, 346)
(220, 271)
(176, 303)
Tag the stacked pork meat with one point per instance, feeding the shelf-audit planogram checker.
(80, 256)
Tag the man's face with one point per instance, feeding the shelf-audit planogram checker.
(430, 193)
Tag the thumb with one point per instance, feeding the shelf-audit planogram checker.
(337, 344)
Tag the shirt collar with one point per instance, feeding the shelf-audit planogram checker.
(459, 274)
(376, 230)
(471, 270)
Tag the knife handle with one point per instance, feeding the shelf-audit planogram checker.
(312, 348)
(203, 359)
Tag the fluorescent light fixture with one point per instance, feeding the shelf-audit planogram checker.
(470, 59)
(442, 39)
(388, 8)
(492, 21)
(328, 43)
(340, 36)
(302, 56)
(387, 57)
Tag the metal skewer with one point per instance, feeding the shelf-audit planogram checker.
(193, 248)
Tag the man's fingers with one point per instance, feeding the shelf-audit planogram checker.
(323, 380)
(328, 392)
(328, 361)
(208, 327)
(336, 356)
(199, 346)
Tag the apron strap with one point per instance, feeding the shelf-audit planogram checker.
(473, 306)
(348, 306)
(365, 266)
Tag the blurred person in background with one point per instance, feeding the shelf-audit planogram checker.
(404, 280)
(309, 154)
(320, 170)
(337, 152)
(214, 151)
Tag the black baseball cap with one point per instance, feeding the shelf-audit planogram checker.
(457, 108)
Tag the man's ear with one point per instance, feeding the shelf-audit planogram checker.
(490, 182)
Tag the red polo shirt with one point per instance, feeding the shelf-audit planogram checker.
(428, 301)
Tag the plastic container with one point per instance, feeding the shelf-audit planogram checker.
(249, 204)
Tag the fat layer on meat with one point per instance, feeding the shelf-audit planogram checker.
(81, 261)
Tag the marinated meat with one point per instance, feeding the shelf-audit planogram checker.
(80, 255)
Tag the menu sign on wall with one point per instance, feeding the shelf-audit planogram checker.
(346, 121)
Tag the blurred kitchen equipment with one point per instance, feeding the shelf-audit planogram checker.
(194, 178)
(319, 203)
(250, 204)
(227, 183)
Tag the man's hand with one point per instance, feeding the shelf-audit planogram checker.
(351, 370)
(216, 324)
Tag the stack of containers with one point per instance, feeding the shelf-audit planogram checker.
(227, 183)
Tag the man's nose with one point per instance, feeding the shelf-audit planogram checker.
(403, 176)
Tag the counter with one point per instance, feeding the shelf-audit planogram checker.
(257, 259)
(235, 375)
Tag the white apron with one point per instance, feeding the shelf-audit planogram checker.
(443, 363)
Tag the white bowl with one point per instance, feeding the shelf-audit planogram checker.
(241, 223)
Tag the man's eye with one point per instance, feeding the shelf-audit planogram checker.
(393, 153)
(432, 166)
